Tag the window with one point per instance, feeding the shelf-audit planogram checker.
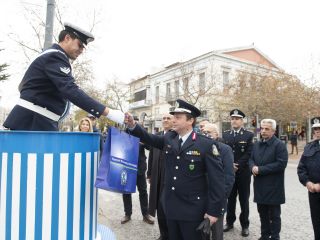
(168, 92)
(157, 94)
(185, 85)
(138, 96)
(202, 82)
(156, 111)
(176, 88)
(225, 75)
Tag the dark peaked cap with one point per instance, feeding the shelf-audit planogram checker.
(237, 113)
(84, 36)
(184, 107)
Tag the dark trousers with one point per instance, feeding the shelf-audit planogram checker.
(183, 230)
(162, 222)
(217, 229)
(242, 187)
(314, 202)
(143, 197)
(270, 221)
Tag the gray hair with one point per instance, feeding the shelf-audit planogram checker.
(270, 121)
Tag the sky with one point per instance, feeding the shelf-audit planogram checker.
(135, 38)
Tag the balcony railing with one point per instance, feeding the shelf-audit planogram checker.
(140, 104)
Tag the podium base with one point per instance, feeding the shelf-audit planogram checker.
(104, 233)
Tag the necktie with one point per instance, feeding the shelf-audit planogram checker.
(180, 143)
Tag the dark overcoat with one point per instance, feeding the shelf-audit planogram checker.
(271, 157)
(309, 165)
(156, 170)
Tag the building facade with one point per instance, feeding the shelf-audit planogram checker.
(199, 81)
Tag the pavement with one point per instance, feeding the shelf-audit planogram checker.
(296, 222)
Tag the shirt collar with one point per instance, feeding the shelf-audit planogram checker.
(185, 137)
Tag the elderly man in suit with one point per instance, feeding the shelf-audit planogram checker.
(211, 130)
(268, 161)
(155, 174)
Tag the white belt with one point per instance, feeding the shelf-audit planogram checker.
(41, 110)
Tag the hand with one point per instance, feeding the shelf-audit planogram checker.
(235, 167)
(116, 115)
(316, 187)
(129, 120)
(310, 186)
(212, 219)
(255, 170)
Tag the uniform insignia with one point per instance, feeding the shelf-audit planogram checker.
(65, 70)
(124, 177)
(316, 120)
(235, 112)
(215, 151)
(194, 136)
(242, 142)
(191, 167)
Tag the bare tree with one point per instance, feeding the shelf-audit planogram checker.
(3, 68)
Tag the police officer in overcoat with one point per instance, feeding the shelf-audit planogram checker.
(194, 179)
(309, 175)
(48, 87)
(241, 142)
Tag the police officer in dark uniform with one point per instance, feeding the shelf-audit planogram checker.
(194, 178)
(309, 175)
(241, 142)
(48, 87)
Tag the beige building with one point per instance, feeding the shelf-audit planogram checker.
(198, 81)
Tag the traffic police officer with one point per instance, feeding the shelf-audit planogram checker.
(194, 178)
(241, 142)
(48, 86)
(309, 175)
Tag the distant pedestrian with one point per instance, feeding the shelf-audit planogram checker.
(294, 141)
(268, 161)
(309, 175)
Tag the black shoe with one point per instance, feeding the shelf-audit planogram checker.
(227, 227)
(125, 219)
(148, 219)
(245, 232)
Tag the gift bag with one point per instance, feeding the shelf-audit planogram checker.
(117, 171)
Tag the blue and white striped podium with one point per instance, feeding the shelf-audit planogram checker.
(47, 185)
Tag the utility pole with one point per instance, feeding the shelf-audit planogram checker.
(49, 24)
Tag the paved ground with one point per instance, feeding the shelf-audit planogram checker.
(296, 223)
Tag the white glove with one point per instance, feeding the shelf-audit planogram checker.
(116, 116)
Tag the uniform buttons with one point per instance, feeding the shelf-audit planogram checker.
(174, 178)
(177, 167)
(92, 110)
(192, 160)
(198, 198)
(166, 152)
(178, 157)
(97, 113)
(222, 209)
(172, 188)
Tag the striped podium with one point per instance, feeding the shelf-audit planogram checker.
(47, 186)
